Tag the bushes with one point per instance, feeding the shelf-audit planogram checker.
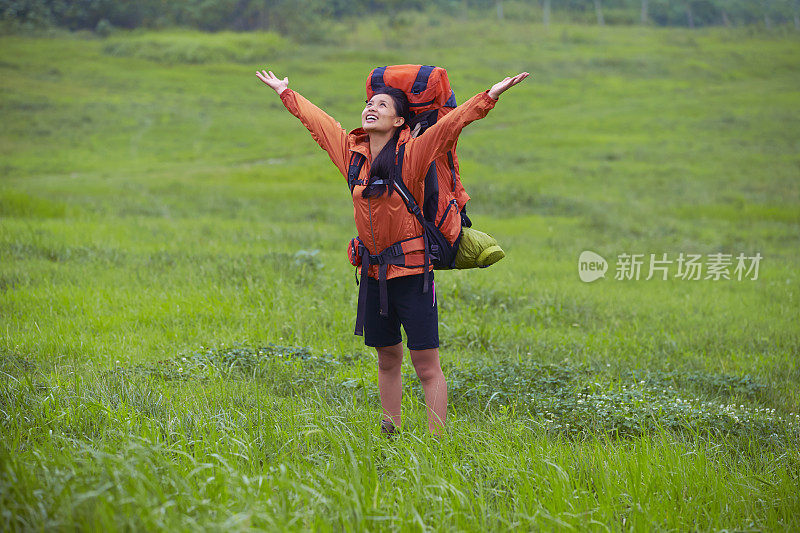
(196, 48)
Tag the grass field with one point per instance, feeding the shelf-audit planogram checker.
(176, 305)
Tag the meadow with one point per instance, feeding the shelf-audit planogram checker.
(177, 308)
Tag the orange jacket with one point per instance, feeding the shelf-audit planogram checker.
(383, 221)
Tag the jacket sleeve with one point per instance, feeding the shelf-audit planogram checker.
(328, 133)
(442, 136)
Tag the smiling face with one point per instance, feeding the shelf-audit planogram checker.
(379, 115)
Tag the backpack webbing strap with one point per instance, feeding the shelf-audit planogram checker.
(421, 81)
(452, 165)
(421, 104)
(356, 162)
(362, 289)
(453, 203)
(377, 78)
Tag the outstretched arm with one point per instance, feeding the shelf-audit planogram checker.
(442, 136)
(328, 133)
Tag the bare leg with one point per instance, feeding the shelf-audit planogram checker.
(390, 381)
(429, 371)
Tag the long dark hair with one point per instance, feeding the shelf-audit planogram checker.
(383, 165)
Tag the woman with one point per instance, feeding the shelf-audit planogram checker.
(399, 276)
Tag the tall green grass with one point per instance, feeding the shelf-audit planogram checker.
(162, 217)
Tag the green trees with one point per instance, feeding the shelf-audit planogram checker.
(719, 12)
(295, 16)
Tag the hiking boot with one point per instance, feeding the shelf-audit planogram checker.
(490, 256)
(388, 429)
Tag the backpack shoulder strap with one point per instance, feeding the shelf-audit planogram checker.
(400, 186)
(356, 162)
(424, 120)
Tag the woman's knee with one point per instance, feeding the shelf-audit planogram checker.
(426, 364)
(390, 357)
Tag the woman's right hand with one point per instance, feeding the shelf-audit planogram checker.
(273, 81)
(502, 86)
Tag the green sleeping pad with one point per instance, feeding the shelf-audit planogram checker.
(477, 250)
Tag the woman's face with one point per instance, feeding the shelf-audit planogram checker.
(379, 115)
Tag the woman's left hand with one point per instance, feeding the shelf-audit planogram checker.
(502, 86)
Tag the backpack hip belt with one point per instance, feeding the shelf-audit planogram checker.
(394, 254)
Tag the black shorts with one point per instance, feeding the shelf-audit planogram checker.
(418, 312)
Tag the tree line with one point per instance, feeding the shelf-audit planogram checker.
(285, 15)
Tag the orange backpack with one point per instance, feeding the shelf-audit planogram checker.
(443, 210)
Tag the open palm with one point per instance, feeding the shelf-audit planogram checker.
(279, 85)
(502, 86)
